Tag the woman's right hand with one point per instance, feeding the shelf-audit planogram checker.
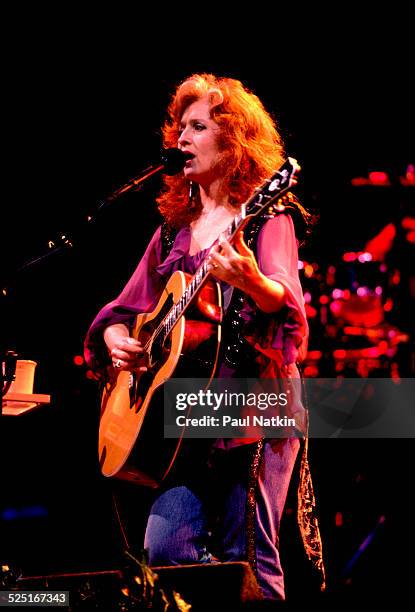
(126, 353)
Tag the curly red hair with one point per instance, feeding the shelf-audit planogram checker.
(251, 146)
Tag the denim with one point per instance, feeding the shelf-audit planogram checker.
(201, 518)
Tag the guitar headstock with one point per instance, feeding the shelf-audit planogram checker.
(280, 182)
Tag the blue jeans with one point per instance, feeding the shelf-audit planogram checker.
(205, 515)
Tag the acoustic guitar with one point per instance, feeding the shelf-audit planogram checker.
(181, 337)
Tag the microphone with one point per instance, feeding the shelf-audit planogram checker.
(171, 161)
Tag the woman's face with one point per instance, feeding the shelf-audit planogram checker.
(199, 137)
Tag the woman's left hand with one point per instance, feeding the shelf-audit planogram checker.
(238, 267)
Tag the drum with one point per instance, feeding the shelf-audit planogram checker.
(347, 305)
(357, 289)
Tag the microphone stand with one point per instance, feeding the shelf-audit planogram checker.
(171, 162)
(63, 241)
(134, 183)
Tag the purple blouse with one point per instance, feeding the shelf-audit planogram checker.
(277, 258)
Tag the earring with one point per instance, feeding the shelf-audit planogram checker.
(192, 191)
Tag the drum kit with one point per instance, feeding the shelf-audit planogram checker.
(347, 306)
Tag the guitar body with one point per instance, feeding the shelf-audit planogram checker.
(132, 419)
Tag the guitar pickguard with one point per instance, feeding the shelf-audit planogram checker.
(154, 358)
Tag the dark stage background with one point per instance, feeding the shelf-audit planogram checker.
(82, 118)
